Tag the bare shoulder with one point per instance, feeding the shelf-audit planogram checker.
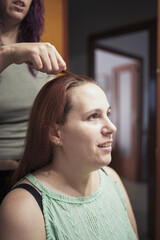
(20, 216)
(115, 177)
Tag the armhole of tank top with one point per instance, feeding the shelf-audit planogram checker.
(32, 191)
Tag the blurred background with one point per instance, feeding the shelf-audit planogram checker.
(116, 43)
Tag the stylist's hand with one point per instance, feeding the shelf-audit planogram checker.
(41, 56)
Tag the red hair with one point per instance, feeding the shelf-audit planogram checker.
(50, 107)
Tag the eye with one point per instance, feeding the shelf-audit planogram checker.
(108, 113)
(93, 116)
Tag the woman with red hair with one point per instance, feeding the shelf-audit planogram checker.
(65, 188)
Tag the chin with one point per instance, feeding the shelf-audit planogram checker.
(107, 161)
(18, 16)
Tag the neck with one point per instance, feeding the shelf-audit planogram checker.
(71, 182)
(80, 185)
(9, 33)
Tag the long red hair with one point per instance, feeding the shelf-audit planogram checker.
(50, 107)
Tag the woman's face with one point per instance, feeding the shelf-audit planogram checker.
(86, 136)
(14, 10)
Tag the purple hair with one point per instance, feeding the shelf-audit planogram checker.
(32, 25)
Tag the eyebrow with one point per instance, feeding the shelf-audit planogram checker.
(109, 108)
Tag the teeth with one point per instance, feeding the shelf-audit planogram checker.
(104, 145)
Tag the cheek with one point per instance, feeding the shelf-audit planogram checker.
(81, 136)
(28, 4)
(74, 139)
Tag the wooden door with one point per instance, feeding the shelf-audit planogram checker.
(126, 109)
(56, 25)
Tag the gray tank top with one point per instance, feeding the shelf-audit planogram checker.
(18, 89)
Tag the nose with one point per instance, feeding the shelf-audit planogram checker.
(108, 127)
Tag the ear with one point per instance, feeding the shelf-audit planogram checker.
(55, 135)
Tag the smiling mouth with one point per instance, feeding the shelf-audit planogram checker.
(104, 145)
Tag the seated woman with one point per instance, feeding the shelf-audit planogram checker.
(64, 169)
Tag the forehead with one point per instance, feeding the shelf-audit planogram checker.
(87, 96)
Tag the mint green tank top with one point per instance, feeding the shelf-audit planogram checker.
(100, 216)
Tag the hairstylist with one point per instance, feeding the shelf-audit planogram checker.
(21, 55)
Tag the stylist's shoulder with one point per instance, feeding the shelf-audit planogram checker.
(20, 217)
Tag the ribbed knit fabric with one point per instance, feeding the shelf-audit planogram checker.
(18, 89)
(100, 216)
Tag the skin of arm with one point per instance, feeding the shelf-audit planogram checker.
(115, 177)
(8, 165)
(41, 56)
(21, 217)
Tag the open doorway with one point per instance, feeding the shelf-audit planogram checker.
(120, 76)
(132, 94)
